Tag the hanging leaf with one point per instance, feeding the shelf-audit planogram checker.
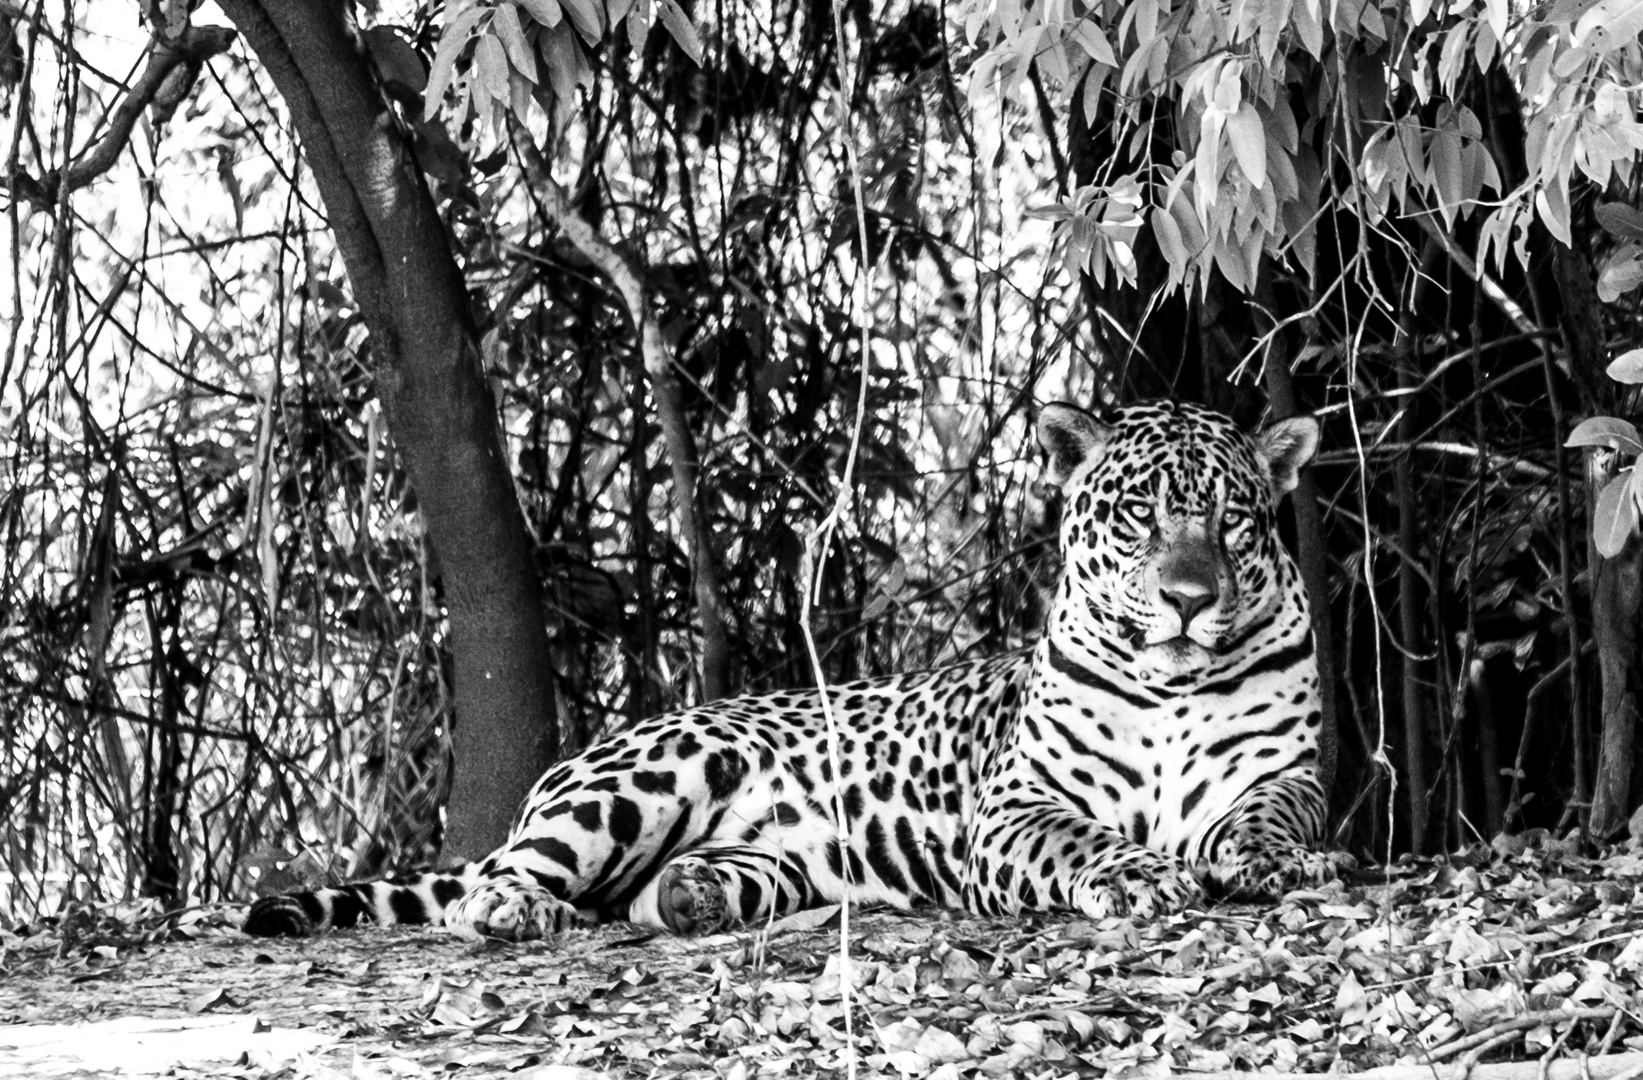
(1552, 201)
(562, 56)
(639, 22)
(1248, 137)
(1620, 275)
(1609, 431)
(1309, 27)
(545, 12)
(451, 43)
(1607, 25)
(1170, 243)
(1615, 521)
(1620, 220)
(1626, 368)
(678, 24)
(1146, 23)
(506, 24)
(1088, 35)
(1447, 172)
(491, 60)
(588, 16)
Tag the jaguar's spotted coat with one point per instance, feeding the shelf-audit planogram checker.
(1162, 736)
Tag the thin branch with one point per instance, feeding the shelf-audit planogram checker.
(1514, 805)
(190, 50)
(1046, 117)
(1517, 1025)
(681, 443)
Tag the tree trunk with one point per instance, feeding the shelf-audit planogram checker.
(439, 408)
(1615, 582)
(1415, 725)
(1615, 599)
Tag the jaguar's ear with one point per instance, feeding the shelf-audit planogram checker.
(1072, 436)
(1285, 447)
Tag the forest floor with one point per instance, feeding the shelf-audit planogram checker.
(1470, 962)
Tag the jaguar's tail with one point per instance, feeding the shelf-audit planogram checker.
(412, 899)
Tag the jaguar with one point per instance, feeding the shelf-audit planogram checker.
(1160, 745)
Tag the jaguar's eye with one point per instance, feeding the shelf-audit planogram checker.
(1232, 519)
(1137, 509)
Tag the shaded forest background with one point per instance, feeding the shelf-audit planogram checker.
(223, 627)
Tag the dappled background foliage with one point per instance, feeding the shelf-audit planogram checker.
(220, 623)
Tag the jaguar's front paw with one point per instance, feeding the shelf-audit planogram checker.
(1267, 872)
(1149, 887)
(512, 911)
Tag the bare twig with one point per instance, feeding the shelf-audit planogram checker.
(1470, 1061)
(1513, 806)
(1526, 1022)
(1616, 1024)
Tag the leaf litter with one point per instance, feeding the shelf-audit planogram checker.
(1527, 953)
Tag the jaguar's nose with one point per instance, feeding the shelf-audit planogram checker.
(1188, 596)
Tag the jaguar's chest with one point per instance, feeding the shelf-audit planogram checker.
(1161, 770)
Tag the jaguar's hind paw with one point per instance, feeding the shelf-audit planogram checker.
(691, 898)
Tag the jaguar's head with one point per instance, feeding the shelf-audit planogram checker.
(1169, 532)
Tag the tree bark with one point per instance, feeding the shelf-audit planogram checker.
(439, 408)
(1616, 589)
(1615, 599)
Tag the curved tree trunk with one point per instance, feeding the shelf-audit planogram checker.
(439, 409)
